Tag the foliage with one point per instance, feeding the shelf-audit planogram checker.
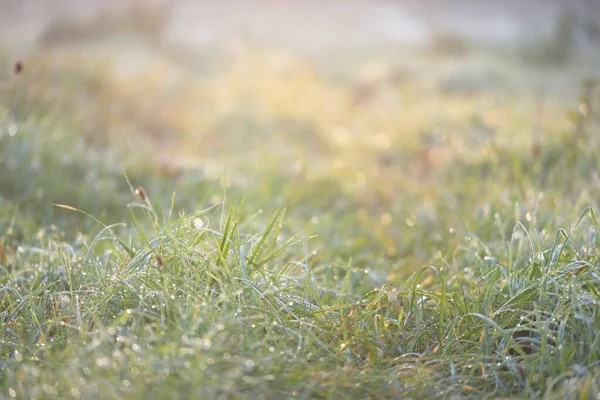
(348, 250)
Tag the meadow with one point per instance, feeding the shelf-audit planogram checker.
(273, 227)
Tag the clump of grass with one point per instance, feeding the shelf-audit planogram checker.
(206, 304)
(462, 281)
(212, 301)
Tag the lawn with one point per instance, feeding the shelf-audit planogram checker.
(270, 228)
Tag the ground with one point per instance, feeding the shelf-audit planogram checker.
(257, 215)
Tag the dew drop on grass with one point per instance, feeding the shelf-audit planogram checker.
(198, 223)
(391, 251)
(102, 362)
(13, 129)
(385, 219)
(75, 393)
(490, 261)
(49, 389)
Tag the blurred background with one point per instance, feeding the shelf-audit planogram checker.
(362, 113)
(546, 33)
(307, 25)
(302, 84)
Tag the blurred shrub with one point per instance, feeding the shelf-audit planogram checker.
(468, 81)
(374, 78)
(448, 43)
(144, 19)
(553, 49)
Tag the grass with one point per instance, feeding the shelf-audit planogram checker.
(289, 241)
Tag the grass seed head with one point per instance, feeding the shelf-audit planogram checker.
(141, 193)
(18, 67)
